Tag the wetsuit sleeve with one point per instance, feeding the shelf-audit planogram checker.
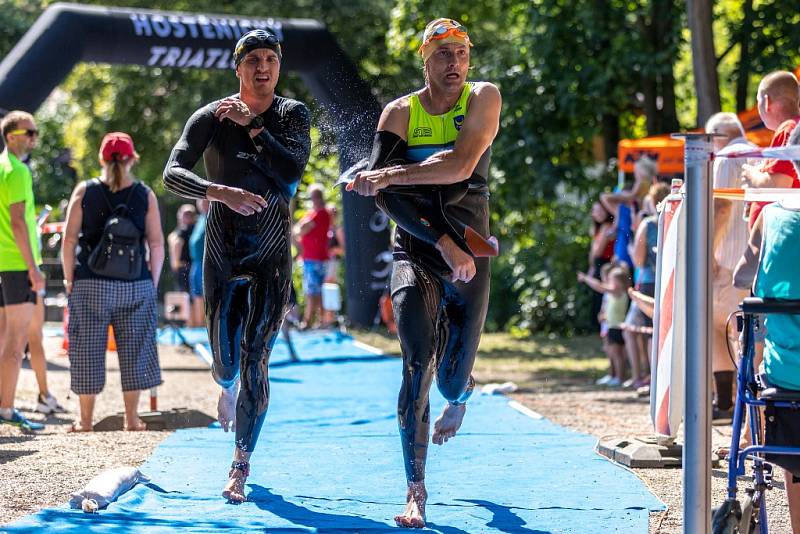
(388, 149)
(285, 153)
(178, 175)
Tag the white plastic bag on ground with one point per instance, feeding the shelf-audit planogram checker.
(105, 488)
(499, 389)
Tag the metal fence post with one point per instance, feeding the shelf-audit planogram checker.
(697, 419)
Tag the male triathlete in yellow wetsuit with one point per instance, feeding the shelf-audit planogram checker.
(440, 280)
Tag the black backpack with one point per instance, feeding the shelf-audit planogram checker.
(118, 255)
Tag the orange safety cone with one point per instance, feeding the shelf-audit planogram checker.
(112, 343)
(65, 323)
(110, 346)
(387, 313)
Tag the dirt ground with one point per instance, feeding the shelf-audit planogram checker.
(555, 379)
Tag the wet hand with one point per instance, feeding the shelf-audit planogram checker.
(461, 264)
(241, 201)
(368, 183)
(235, 110)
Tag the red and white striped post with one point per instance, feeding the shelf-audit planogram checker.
(667, 358)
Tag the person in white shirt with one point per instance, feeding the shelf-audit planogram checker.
(730, 241)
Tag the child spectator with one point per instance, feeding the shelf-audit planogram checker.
(615, 291)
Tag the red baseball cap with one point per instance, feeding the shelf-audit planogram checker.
(119, 144)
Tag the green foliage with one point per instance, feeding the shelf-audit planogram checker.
(575, 75)
(543, 176)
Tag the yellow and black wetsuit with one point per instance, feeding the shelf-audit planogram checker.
(439, 322)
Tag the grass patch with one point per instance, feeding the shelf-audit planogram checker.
(533, 362)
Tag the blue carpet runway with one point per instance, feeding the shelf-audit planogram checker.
(329, 460)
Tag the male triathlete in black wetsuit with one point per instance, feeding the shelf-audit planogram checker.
(255, 146)
(440, 280)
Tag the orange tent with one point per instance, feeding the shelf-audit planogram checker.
(668, 152)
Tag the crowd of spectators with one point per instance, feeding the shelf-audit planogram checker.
(621, 268)
(622, 257)
(754, 251)
(102, 299)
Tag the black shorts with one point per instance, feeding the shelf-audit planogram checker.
(614, 336)
(15, 288)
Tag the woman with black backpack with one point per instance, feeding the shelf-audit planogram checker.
(111, 278)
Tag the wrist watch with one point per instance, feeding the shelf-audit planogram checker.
(256, 123)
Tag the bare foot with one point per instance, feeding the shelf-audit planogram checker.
(448, 423)
(79, 427)
(226, 408)
(234, 489)
(414, 516)
(135, 425)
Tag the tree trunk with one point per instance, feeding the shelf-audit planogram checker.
(666, 16)
(704, 60)
(649, 35)
(743, 70)
(652, 116)
(610, 135)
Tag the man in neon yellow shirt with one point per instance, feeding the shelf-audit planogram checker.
(436, 141)
(20, 256)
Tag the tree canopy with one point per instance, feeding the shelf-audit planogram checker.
(576, 76)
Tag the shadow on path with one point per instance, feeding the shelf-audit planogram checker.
(322, 521)
(504, 519)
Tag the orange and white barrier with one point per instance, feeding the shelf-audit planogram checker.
(765, 194)
(53, 227)
(667, 387)
(667, 381)
(785, 153)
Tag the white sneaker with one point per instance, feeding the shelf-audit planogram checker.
(48, 405)
(604, 380)
(628, 383)
(614, 382)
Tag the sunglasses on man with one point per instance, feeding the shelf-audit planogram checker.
(22, 131)
(262, 37)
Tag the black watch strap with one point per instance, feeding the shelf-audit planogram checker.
(256, 123)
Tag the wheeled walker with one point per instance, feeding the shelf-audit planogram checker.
(781, 409)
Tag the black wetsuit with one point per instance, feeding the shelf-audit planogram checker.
(247, 261)
(439, 322)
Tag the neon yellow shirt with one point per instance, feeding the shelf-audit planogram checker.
(16, 185)
(429, 134)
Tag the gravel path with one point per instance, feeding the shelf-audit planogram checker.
(41, 471)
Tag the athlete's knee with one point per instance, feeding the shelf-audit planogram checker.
(224, 375)
(456, 389)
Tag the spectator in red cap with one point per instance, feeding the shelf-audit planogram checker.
(99, 294)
